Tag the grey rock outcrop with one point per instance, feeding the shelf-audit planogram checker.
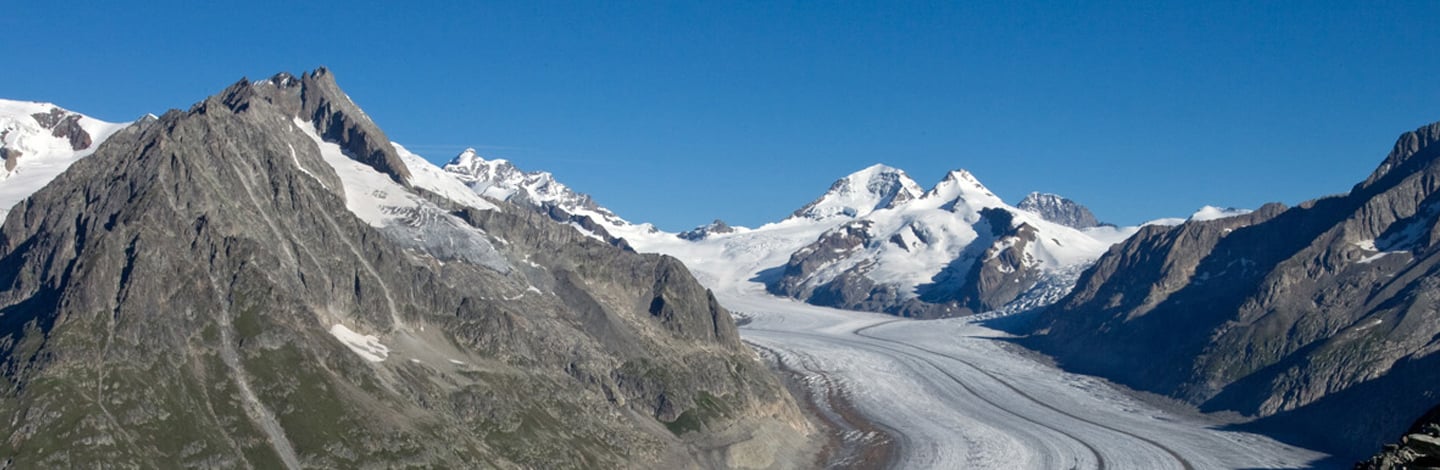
(66, 126)
(1054, 208)
(1319, 318)
(180, 298)
(850, 289)
(10, 156)
(1418, 448)
(61, 123)
(705, 231)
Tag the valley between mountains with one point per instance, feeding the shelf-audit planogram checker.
(265, 280)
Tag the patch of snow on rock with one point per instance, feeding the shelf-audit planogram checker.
(368, 347)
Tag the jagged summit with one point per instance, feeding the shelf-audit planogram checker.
(1058, 209)
(875, 187)
(502, 180)
(469, 158)
(1411, 151)
(317, 99)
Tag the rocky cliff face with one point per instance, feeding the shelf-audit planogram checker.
(214, 289)
(1298, 315)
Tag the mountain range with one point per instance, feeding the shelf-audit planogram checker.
(266, 280)
(875, 240)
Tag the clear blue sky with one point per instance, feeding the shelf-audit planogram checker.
(678, 113)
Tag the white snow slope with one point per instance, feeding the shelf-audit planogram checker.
(43, 156)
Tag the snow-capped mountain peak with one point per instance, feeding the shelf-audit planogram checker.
(500, 179)
(874, 241)
(960, 186)
(468, 158)
(1058, 209)
(38, 141)
(857, 194)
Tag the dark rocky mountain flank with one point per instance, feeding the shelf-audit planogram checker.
(1320, 319)
(172, 301)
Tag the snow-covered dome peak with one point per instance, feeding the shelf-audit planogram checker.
(1212, 213)
(873, 188)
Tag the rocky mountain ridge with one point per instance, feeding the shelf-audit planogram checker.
(875, 240)
(499, 179)
(264, 280)
(1319, 316)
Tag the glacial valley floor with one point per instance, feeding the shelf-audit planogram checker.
(948, 394)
